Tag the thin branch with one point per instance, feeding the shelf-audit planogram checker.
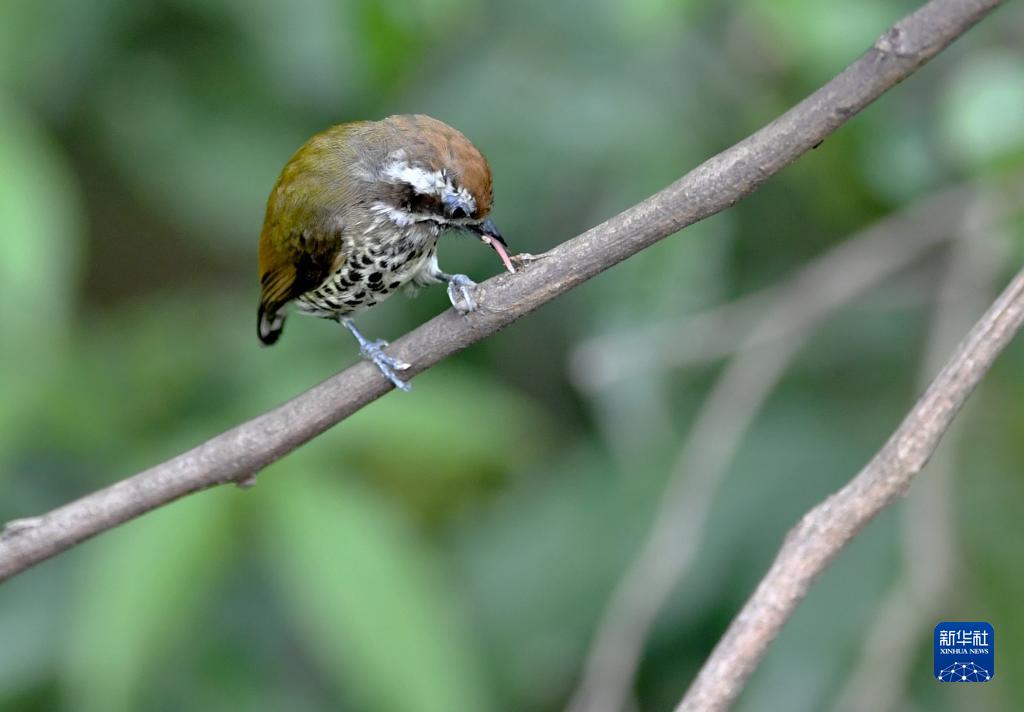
(826, 529)
(795, 308)
(929, 552)
(718, 183)
(720, 331)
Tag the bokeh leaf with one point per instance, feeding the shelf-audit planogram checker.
(39, 253)
(819, 37)
(458, 424)
(143, 586)
(983, 114)
(542, 562)
(30, 634)
(371, 599)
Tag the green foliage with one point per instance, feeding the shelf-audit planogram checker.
(376, 610)
(984, 111)
(138, 595)
(454, 548)
(38, 262)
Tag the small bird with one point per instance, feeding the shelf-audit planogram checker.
(356, 214)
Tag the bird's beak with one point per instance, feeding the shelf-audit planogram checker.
(491, 235)
(488, 229)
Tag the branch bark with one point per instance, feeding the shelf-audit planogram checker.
(826, 529)
(718, 183)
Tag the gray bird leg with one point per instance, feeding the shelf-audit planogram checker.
(374, 351)
(460, 291)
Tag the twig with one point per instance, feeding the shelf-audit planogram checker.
(794, 309)
(826, 529)
(718, 183)
(719, 331)
(929, 552)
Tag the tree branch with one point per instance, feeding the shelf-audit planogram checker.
(718, 183)
(826, 529)
(930, 553)
(723, 330)
(793, 309)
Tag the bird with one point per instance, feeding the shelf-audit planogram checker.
(356, 215)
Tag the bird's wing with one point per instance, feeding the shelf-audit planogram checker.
(288, 269)
(302, 237)
(294, 265)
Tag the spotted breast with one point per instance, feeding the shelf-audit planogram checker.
(372, 270)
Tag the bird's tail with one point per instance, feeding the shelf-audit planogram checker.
(269, 323)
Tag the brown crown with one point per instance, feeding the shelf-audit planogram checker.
(437, 146)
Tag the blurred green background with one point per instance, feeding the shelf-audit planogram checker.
(453, 549)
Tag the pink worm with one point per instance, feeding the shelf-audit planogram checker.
(501, 252)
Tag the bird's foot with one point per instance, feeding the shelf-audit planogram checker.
(373, 351)
(460, 292)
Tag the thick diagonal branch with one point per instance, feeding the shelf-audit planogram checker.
(716, 184)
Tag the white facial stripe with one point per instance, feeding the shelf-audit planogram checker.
(402, 218)
(396, 215)
(425, 182)
(422, 181)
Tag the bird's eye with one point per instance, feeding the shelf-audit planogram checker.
(456, 206)
(414, 202)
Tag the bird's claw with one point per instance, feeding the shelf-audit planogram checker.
(373, 351)
(460, 292)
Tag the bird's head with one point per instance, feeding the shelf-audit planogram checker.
(429, 172)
